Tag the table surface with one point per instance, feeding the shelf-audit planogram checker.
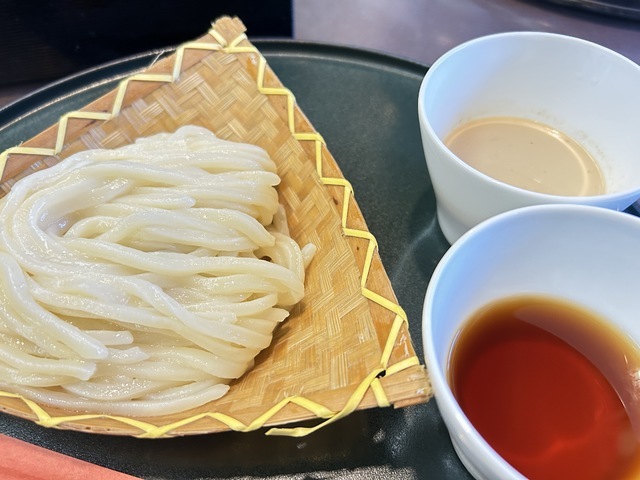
(424, 30)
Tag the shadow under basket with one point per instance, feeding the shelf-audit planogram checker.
(346, 346)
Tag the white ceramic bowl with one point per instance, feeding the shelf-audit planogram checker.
(584, 254)
(580, 88)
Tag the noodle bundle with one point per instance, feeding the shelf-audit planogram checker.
(140, 281)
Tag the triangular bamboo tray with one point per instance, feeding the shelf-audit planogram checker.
(346, 346)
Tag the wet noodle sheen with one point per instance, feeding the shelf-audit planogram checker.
(549, 410)
(140, 281)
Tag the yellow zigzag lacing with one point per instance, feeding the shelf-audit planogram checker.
(371, 381)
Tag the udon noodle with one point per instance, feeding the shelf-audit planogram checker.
(140, 281)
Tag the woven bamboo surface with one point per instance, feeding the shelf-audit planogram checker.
(346, 346)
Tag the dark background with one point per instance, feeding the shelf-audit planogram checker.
(46, 40)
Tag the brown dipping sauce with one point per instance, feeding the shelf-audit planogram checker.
(527, 154)
(551, 387)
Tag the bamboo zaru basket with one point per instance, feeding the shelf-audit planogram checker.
(346, 346)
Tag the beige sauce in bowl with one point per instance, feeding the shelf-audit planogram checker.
(527, 154)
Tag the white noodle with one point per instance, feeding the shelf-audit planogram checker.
(142, 280)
